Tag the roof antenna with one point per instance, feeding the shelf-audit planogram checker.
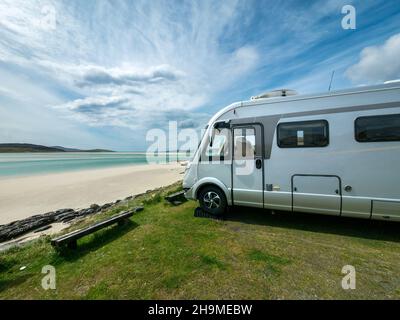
(330, 84)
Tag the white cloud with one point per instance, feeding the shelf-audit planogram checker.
(135, 65)
(93, 104)
(377, 63)
(123, 59)
(119, 76)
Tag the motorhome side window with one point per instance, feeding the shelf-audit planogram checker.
(378, 128)
(244, 143)
(305, 134)
(218, 146)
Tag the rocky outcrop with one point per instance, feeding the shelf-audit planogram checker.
(41, 222)
(17, 228)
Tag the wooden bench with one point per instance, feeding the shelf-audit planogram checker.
(70, 239)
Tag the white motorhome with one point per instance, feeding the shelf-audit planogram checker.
(336, 153)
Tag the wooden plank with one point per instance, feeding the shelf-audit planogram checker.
(178, 196)
(73, 236)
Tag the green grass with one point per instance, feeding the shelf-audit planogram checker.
(166, 253)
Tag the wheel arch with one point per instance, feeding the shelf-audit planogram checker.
(215, 183)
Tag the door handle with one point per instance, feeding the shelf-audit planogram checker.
(258, 163)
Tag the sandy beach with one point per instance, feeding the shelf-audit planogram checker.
(22, 197)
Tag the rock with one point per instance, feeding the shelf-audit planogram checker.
(86, 212)
(67, 219)
(106, 206)
(80, 213)
(130, 198)
(65, 215)
(42, 228)
(49, 214)
(37, 216)
(61, 211)
(138, 209)
(18, 228)
(95, 207)
(117, 201)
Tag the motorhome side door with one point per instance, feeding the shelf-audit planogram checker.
(247, 165)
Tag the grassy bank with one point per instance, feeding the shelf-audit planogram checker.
(166, 253)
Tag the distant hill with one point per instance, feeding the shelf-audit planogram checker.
(26, 147)
(63, 149)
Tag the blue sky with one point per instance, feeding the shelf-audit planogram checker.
(102, 73)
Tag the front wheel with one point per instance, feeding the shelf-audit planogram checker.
(212, 200)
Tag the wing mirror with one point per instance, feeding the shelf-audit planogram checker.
(222, 125)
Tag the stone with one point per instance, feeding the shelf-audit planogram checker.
(61, 211)
(65, 215)
(106, 206)
(138, 209)
(49, 214)
(42, 229)
(95, 207)
(68, 219)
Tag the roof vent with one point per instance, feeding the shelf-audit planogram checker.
(275, 93)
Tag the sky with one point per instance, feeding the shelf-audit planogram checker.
(102, 73)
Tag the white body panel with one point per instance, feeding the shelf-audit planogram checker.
(320, 174)
(319, 194)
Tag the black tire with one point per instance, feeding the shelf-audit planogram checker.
(212, 200)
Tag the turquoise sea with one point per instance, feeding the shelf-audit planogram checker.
(24, 164)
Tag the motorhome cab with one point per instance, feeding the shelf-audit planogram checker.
(336, 153)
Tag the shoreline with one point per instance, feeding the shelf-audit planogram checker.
(180, 163)
(24, 196)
